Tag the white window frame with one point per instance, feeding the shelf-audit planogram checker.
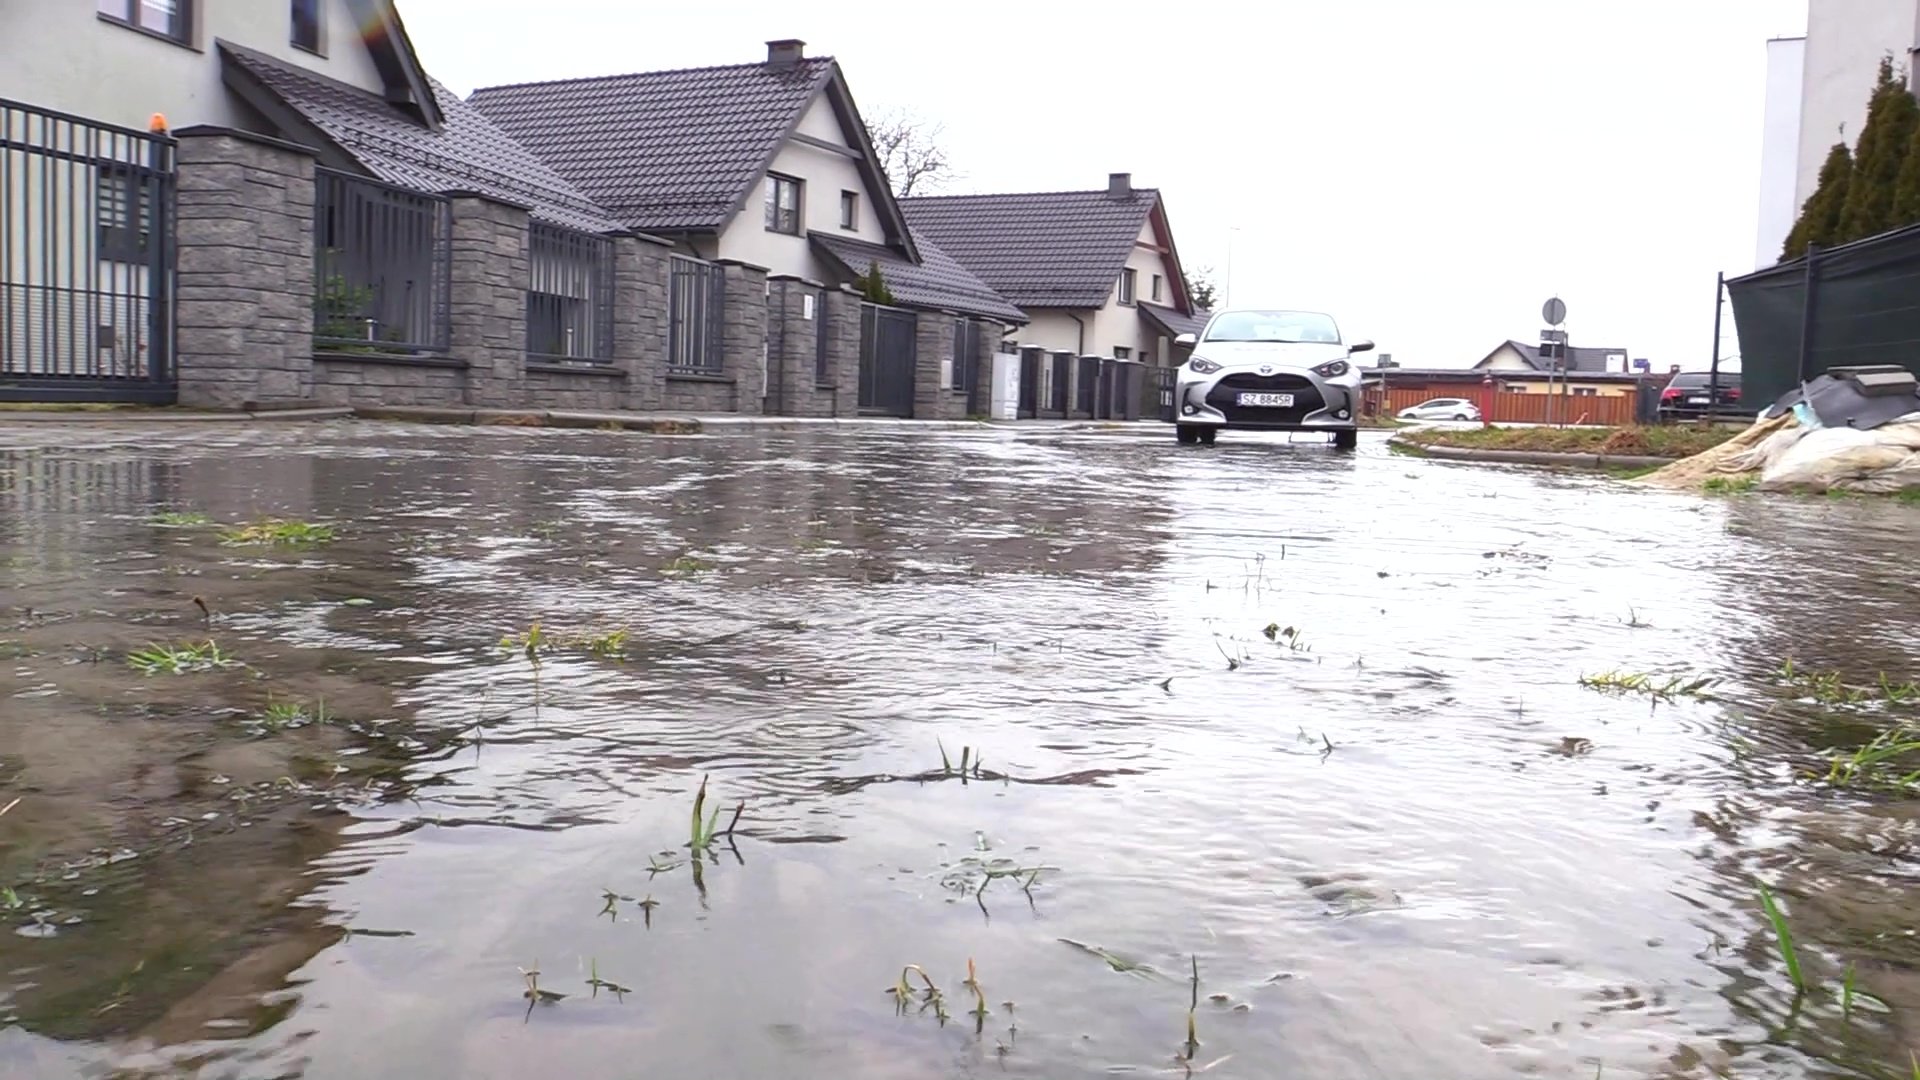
(850, 210)
(147, 17)
(1129, 285)
(776, 222)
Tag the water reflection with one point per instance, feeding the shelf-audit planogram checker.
(1310, 718)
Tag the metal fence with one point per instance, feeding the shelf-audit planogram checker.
(86, 259)
(889, 351)
(696, 307)
(383, 267)
(822, 363)
(1087, 385)
(569, 296)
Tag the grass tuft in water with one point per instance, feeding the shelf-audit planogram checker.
(287, 715)
(1783, 937)
(1193, 1006)
(1910, 497)
(533, 642)
(1874, 765)
(1630, 682)
(609, 646)
(594, 980)
(179, 519)
(1730, 485)
(689, 565)
(164, 659)
(930, 997)
(278, 532)
(707, 831)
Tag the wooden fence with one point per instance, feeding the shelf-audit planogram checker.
(1515, 408)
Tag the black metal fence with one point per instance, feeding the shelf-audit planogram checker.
(1059, 396)
(383, 266)
(968, 378)
(889, 349)
(1087, 386)
(86, 260)
(569, 296)
(696, 307)
(822, 359)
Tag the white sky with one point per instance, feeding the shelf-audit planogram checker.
(1427, 172)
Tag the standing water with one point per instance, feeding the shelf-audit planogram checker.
(373, 751)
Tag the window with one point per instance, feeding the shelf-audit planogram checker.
(1511, 388)
(1121, 352)
(1127, 286)
(306, 25)
(849, 210)
(1585, 391)
(783, 204)
(167, 18)
(1156, 288)
(124, 213)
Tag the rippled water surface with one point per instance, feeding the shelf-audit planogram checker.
(1308, 722)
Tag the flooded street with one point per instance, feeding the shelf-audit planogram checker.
(1085, 711)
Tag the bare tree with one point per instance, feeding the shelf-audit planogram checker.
(1200, 288)
(909, 149)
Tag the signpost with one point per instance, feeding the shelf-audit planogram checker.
(1554, 348)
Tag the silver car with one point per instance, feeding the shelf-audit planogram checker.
(1268, 371)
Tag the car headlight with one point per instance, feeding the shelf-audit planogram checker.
(1332, 369)
(1200, 365)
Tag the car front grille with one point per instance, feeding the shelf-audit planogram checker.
(1306, 398)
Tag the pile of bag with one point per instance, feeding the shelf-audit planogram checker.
(1855, 429)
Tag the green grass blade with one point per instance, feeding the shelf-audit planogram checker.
(1784, 937)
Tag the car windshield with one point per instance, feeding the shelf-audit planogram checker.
(1275, 326)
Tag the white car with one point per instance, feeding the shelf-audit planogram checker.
(1268, 371)
(1442, 408)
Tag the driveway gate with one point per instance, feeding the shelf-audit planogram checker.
(887, 354)
(86, 260)
(1165, 382)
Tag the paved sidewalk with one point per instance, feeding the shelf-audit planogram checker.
(659, 423)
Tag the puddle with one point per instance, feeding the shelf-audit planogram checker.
(1310, 722)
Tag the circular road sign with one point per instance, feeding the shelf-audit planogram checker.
(1554, 311)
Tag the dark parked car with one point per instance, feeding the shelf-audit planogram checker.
(1686, 397)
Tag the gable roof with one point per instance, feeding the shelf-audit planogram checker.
(681, 151)
(385, 37)
(355, 129)
(935, 282)
(1579, 357)
(1054, 249)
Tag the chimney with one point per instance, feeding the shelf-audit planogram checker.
(785, 53)
(1119, 186)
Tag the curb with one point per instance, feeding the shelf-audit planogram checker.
(1535, 457)
(142, 416)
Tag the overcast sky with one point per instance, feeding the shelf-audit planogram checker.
(1428, 173)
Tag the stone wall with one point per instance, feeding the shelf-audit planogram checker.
(244, 289)
(246, 314)
(340, 379)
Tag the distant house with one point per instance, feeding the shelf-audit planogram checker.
(1096, 272)
(766, 164)
(1589, 371)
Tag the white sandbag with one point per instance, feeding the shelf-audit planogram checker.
(1761, 456)
(1843, 457)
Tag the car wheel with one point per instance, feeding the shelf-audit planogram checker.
(1208, 435)
(1186, 434)
(1460, 416)
(1346, 439)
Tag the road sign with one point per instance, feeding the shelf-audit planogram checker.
(1554, 335)
(1554, 311)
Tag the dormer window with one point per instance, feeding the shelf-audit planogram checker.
(306, 26)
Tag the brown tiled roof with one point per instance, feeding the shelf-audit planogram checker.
(467, 153)
(1058, 249)
(936, 282)
(667, 151)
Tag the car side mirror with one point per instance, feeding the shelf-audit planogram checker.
(1187, 340)
(1359, 346)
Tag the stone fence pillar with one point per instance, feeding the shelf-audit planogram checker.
(640, 271)
(933, 374)
(488, 297)
(244, 285)
(843, 350)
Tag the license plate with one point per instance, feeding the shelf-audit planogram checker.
(1266, 401)
(1696, 401)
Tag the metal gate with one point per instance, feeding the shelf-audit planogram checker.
(86, 260)
(970, 377)
(1165, 382)
(887, 355)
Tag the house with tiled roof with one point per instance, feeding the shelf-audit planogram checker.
(765, 163)
(1096, 272)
